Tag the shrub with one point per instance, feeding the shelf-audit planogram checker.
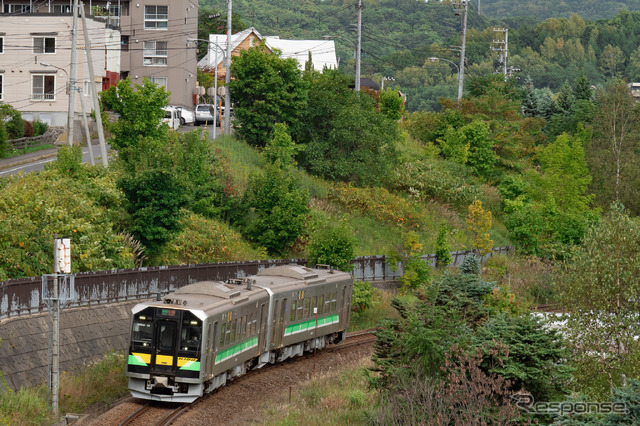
(28, 129)
(5, 147)
(332, 245)
(363, 296)
(39, 128)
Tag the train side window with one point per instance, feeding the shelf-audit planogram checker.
(254, 324)
(320, 303)
(307, 305)
(300, 307)
(327, 304)
(223, 332)
(314, 303)
(234, 330)
(227, 334)
(243, 327)
(333, 302)
(292, 316)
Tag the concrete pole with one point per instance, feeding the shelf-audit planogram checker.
(358, 50)
(215, 95)
(462, 50)
(506, 49)
(72, 73)
(55, 340)
(94, 91)
(227, 77)
(86, 129)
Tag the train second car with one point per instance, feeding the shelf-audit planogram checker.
(202, 335)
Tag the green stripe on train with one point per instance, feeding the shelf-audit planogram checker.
(311, 324)
(234, 350)
(136, 360)
(191, 366)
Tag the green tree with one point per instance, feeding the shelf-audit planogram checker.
(154, 200)
(266, 90)
(416, 272)
(538, 356)
(565, 174)
(443, 249)
(599, 289)
(277, 208)
(392, 104)
(332, 245)
(478, 224)
(613, 155)
(530, 101)
(346, 138)
(280, 148)
(139, 110)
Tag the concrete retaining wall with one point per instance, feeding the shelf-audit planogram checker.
(86, 334)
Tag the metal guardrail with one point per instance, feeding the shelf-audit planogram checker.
(24, 296)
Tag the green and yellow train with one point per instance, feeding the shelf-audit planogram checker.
(196, 339)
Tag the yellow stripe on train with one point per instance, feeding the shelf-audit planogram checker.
(164, 360)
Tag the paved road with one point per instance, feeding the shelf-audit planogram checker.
(35, 161)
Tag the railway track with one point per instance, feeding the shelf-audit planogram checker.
(162, 414)
(154, 414)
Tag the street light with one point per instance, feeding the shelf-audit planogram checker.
(434, 59)
(215, 90)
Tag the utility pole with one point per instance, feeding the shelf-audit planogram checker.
(502, 46)
(227, 77)
(92, 87)
(72, 73)
(61, 263)
(358, 50)
(462, 6)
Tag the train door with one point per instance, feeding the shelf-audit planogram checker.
(263, 321)
(345, 308)
(211, 346)
(165, 350)
(279, 325)
(274, 324)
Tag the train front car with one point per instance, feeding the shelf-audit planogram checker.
(164, 353)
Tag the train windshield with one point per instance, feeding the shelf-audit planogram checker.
(191, 332)
(142, 330)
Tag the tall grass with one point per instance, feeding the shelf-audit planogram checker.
(329, 400)
(100, 381)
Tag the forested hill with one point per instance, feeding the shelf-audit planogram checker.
(400, 36)
(543, 9)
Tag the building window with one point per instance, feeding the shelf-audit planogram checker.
(1, 44)
(155, 53)
(160, 81)
(16, 8)
(1, 84)
(156, 17)
(124, 43)
(43, 87)
(44, 45)
(61, 8)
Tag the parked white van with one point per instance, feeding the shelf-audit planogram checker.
(171, 117)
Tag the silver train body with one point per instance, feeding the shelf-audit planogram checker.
(204, 334)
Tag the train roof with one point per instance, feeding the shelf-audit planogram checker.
(209, 295)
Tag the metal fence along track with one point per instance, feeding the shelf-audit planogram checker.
(23, 296)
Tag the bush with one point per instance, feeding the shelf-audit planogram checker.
(15, 126)
(332, 245)
(5, 147)
(28, 129)
(362, 298)
(39, 128)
